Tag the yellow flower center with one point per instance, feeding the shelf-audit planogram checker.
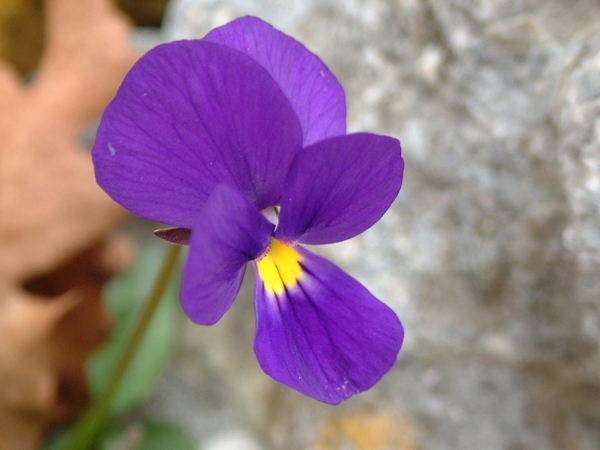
(280, 267)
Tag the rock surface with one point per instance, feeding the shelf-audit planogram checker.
(491, 253)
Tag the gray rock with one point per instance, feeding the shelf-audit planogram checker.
(491, 253)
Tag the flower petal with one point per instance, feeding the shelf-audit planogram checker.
(339, 187)
(315, 93)
(190, 115)
(325, 334)
(229, 233)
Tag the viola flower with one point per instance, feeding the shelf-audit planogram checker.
(239, 141)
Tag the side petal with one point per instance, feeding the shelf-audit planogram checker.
(339, 187)
(315, 93)
(229, 233)
(190, 115)
(325, 335)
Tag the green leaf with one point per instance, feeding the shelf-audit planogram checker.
(145, 436)
(125, 296)
(56, 439)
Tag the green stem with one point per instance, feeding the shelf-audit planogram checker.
(84, 432)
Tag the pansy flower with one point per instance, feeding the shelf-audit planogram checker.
(239, 142)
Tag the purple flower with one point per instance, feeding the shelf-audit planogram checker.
(240, 137)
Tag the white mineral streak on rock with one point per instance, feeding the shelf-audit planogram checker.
(232, 440)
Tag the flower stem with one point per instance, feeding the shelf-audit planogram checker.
(85, 430)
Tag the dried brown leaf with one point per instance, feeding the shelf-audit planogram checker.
(57, 242)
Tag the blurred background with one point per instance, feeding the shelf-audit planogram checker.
(490, 255)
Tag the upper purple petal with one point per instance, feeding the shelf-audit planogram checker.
(315, 93)
(339, 187)
(190, 115)
(327, 336)
(228, 233)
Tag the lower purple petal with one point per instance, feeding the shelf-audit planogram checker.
(228, 233)
(325, 334)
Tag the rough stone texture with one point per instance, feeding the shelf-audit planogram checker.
(490, 255)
